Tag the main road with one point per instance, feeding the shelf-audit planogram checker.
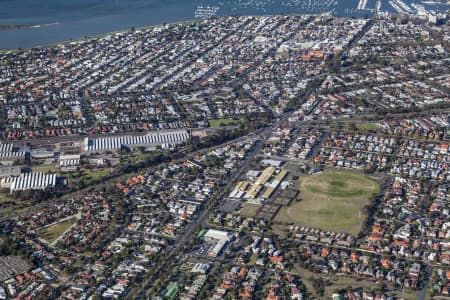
(201, 221)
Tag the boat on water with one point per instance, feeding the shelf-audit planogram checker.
(268, 6)
(205, 12)
(435, 3)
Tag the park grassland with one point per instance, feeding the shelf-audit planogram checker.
(332, 200)
(367, 126)
(335, 283)
(51, 233)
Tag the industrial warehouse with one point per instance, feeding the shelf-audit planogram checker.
(262, 188)
(8, 154)
(30, 181)
(163, 138)
(44, 161)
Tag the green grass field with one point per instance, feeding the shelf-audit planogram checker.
(367, 126)
(222, 122)
(45, 168)
(342, 282)
(336, 282)
(90, 176)
(51, 233)
(5, 197)
(6, 211)
(331, 200)
(6, 203)
(145, 155)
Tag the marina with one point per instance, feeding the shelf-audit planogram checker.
(378, 6)
(401, 7)
(362, 4)
(312, 5)
(205, 12)
(272, 6)
(423, 9)
(436, 3)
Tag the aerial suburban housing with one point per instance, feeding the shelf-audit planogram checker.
(231, 157)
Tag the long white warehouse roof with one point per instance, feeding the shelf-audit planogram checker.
(156, 138)
(33, 181)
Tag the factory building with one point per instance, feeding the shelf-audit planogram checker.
(10, 171)
(33, 181)
(69, 162)
(8, 155)
(220, 239)
(160, 138)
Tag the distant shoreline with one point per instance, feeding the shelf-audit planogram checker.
(88, 37)
(26, 26)
(145, 27)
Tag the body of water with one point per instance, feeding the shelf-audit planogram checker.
(63, 20)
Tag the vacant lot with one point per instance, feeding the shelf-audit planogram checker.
(51, 233)
(331, 200)
(293, 167)
(249, 209)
